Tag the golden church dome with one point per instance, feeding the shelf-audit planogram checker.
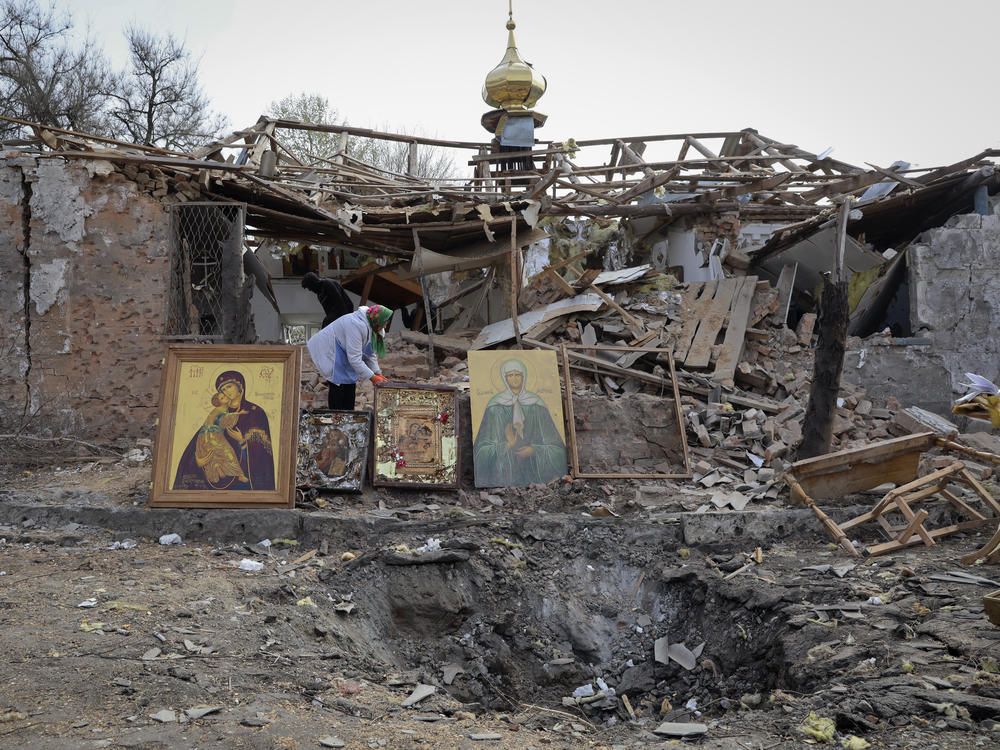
(513, 85)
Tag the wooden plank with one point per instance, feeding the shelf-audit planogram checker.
(962, 505)
(896, 176)
(861, 476)
(570, 419)
(560, 282)
(586, 278)
(515, 279)
(542, 184)
(367, 288)
(694, 304)
(708, 329)
(543, 329)
(785, 287)
(980, 490)
(679, 410)
(868, 454)
(449, 344)
(568, 261)
(418, 252)
(987, 550)
(732, 344)
(634, 324)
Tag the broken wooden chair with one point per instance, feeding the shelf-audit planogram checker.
(895, 461)
(913, 529)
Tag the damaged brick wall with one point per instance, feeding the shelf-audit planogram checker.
(710, 227)
(954, 309)
(83, 253)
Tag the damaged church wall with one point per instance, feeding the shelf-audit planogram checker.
(14, 355)
(954, 305)
(84, 255)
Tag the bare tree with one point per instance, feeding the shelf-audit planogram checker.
(44, 78)
(392, 156)
(158, 100)
(433, 162)
(306, 145)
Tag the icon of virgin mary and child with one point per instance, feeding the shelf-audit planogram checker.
(517, 443)
(232, 449)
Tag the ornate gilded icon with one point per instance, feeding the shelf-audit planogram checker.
(416, 440)
(333, 449)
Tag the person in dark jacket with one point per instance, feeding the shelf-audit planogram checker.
(331, 295)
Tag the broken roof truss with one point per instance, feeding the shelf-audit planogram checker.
(343, 202)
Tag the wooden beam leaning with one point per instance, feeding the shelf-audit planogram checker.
(574, 455)
(632, 159)
(515, 279)
(828, 523)
(377, 134)
(732, 345)
(650, 183)
(708, 329)
(786, 285)
(419, 253)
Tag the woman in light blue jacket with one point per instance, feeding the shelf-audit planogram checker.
(347, 351)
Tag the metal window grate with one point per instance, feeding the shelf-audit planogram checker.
(209, 294)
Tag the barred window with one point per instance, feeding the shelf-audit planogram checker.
(209, 293)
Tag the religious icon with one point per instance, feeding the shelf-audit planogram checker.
(516, 417)
(416, 441)
(333, 449)
(232, 450)
(227, 426)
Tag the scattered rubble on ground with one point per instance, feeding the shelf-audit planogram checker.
(611, 641)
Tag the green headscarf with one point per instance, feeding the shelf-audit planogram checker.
(378, 318)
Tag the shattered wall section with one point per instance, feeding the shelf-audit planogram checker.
(14, 345)
(955, 304)
(86, 253)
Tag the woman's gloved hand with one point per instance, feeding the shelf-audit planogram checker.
(379, 378)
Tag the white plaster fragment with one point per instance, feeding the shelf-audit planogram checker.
(10, 186)
(48, 284)
(102, 168)
(57, 202)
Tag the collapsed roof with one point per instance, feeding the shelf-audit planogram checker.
(343, 201)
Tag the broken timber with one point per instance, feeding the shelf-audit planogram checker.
(708, 307)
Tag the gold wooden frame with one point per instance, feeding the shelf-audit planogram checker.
(574, 455)
(180, 355)
(386, 437)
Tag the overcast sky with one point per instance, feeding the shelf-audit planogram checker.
(877, 80)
